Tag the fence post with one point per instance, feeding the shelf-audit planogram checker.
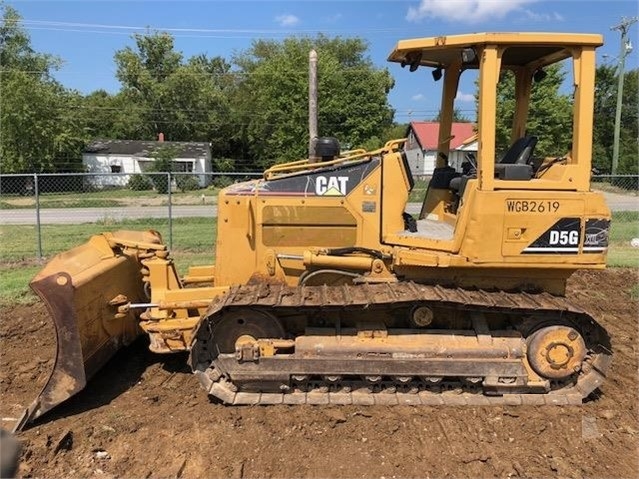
(170, 213)
(36, 191)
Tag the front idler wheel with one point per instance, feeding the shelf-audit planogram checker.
(556, 352)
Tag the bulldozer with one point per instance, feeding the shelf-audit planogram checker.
(325, 291)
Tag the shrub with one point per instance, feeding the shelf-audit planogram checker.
(222, 181)
(161, 183)
(140, 183)
(223, 164)
(187, 183)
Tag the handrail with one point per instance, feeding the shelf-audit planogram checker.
(345, 157)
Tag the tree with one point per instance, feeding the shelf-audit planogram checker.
(142, 71)
(604, 118)
(111, 116)
(629, 135)
(395, 131)
(272, 97)
(185, 100)
(16, 52)
(604, 124)
(39, 133)
(549, 113)
(162, 163)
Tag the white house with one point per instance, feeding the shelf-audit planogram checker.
(134, 156)
(421, 145)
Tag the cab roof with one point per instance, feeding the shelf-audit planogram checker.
(536, 49)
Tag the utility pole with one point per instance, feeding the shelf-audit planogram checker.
(626, 48)
(312, 105)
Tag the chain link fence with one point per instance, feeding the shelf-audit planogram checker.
(43, 214)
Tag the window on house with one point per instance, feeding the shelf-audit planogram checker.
(145, 165)
(116, 169)
(182, 166)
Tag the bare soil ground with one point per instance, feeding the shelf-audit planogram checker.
(145, 416)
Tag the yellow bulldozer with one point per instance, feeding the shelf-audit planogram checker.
(325, 291)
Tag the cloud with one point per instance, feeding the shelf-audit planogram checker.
(465, 97)
(543, 17)
(466, 11)
(287, 20)
(417, 97)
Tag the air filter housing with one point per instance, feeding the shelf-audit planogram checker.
(327, 148)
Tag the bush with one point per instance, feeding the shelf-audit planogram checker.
(187, 183)
(223, 164)
(222, 181)
(160, 182)
(140, 183)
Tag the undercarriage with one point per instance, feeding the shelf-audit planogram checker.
(401, 343)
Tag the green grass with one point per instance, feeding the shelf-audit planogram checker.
(63, 203)
(624, 227)
(75, 199)
(193, 239)
(623, 257)
(14, 282)
(107, 198)
(189, 235)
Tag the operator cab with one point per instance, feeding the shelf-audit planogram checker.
(490, 56)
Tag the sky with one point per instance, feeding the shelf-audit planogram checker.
(85, 34)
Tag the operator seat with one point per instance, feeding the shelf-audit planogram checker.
(516, 163)
(520, 152)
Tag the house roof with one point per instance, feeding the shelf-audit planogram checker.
(145, 149)
(427, 134)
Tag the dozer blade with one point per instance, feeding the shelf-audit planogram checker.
(86, 290)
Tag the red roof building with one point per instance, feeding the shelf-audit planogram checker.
(421, 146)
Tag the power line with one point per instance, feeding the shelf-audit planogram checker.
(190, 32)
(301, 121)
(250, 112)
(74, 30)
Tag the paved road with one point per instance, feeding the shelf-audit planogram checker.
(91, 215)
(618, 202)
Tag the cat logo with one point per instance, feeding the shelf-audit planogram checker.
(331, 186)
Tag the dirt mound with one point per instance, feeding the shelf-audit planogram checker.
(145, 416)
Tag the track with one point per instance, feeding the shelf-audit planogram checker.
(448, 380)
